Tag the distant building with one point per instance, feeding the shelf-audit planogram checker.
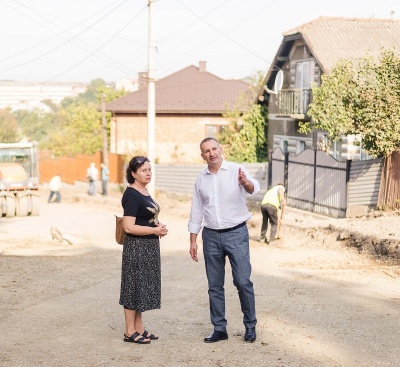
(28, 95)
(190, 105)
(305, 54)
(127, 85)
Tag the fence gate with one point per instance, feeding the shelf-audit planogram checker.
(314, 181)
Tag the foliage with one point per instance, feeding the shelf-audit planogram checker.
(8, 127)
(80, 130)
(360, 97)
(74, 127)
(87, 97)
(256, 82)
(80, 121)
(36, 125)
(245, 137)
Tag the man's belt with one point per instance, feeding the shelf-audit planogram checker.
(227, 229)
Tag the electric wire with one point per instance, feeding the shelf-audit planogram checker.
(64, 43)
(52, 37)
(223, 34)
(85, 45)
(165, 40)
(98, 48)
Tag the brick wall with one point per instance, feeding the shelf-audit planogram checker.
(177, 137)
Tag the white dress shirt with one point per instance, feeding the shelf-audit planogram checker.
(219, 201)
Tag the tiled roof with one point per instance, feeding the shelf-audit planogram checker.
(331, 39)
(188, 91)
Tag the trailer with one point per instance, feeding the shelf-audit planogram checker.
(19, 180)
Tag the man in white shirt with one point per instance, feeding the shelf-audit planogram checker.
(219, 205)
(54, 187)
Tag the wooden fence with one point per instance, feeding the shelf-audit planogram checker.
(74, 169)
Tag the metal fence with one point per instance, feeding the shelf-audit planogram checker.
(317, 182)
(180, 178)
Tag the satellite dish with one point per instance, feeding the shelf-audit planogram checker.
(278, 81)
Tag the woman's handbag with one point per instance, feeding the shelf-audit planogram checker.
(119, 231)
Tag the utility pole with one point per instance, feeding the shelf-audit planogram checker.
(104, 128)
(151, 102)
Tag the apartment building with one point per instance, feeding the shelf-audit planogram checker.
(26, 95)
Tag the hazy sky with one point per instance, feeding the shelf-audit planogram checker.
(81, 40)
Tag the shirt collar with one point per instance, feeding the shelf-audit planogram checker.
(224, 166)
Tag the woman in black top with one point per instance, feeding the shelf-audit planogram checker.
(141, 271)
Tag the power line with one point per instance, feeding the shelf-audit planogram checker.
(218, 31)
(222, 34)
(41, 24)
(97, 49)
(64, 43)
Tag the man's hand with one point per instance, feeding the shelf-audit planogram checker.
(193, 251)
(242, 177)
(247, 185)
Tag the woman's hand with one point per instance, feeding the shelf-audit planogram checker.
(161, 230)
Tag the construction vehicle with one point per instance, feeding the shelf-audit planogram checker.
(19, 180)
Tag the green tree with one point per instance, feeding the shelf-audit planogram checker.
(36, 125)
(360, 97)
(80, 121)
(89, 96)
(8, 127)
(80, 130)
(245, 137)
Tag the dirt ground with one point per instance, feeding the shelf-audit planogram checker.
(327, 293)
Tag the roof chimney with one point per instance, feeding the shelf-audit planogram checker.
(202, 66)
(143, 77)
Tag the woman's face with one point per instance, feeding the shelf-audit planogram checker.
(143, 174)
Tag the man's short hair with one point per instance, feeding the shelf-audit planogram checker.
(208, 139)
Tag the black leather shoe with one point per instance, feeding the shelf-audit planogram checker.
(250, 335)
(216, 336)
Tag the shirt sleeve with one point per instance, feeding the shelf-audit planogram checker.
(196, 212)
(130, 205)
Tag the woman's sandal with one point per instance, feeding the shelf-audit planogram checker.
(134, 338)
(149, 336)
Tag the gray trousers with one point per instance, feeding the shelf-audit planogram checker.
(269, 213)
(235, 245)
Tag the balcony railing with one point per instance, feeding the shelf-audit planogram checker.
(294, 102)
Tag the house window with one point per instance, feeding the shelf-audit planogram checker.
(212, 131)
(284, 146)
(303, 74)
(304, 78)
(363, 154)
(300, 146)
(337, 149)
(323, 143)
(334, 148)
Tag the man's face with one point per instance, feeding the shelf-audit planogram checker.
(211, 152)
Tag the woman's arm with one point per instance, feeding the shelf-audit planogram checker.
(130, 226)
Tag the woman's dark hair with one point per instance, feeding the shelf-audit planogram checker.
(134, 164)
